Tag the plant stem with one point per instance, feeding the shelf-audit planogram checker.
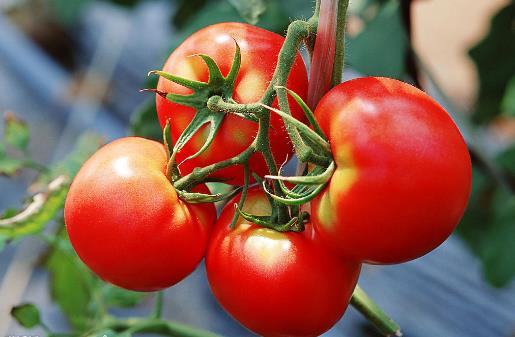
(409, 58)
(339, 52)
(297, 31)
(201, 173)
(216, 103)
(158, 326)
(368, 308)
(313, 22)
(158, 308)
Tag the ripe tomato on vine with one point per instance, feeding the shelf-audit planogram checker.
(259, 51)
(403, 171)
(126, 222)
(276, 284)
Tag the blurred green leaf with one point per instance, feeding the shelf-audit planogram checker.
(494, 57)
(380, 49)
(185, 10)
(488, 225)
(9, 165)
(71, 285)
(144, 122)
(274, 18)
(125, 3)
(27, 315)
(506, 160)
(508, 101)
(46, 205)
(117, 297)
(35, 221)
(250, 10)
(498, 252)
(67, 12)
(16, 132)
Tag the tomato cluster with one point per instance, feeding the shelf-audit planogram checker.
(400, 186)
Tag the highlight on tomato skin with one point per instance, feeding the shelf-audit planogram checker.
(126, 222)
(259, 51)
(403, 175)
(277, 284)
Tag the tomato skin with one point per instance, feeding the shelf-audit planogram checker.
(277, 284)
(403, 174)
(259, 51)
(126, 222)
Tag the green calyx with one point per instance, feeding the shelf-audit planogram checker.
(212, 100)
(217, 85)
(295, 224)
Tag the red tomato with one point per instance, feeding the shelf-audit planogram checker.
(126, 221)
(403, 173)
(277, 284)
(259, 51)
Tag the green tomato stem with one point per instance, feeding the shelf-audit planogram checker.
(374, 314)
(339, 53)
(313, 22)
(158, 307)
(199, 174)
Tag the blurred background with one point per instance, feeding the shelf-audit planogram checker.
(70, 74)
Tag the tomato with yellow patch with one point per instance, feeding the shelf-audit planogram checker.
(126, 222)
(259, 52)
(277, 284)
(403, 172)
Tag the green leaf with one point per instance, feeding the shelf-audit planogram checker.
(488, 226)
(71, 285)
(275, 18)
(185, 10)
(46, 205)
(498, 253)
(508, 101)
(27, 315)
(144, 122)
(494, 57)
(117, 297)
(68, 12)
(250, 10)
(506, 160)
(380, 49)
(16, 132)
(35, 221)
(9, 165)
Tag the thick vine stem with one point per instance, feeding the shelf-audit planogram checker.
(297, 32)
(368, 308)
(339, 53)
(313, 22)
